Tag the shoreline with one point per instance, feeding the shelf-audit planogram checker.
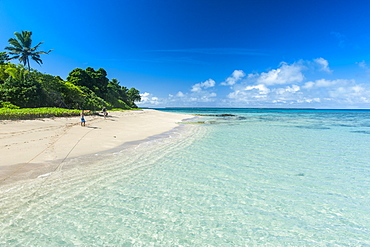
(30, 148)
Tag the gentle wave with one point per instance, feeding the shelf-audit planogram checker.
(260, 178)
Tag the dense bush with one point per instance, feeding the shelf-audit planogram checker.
(32, 113)
(83, 89)
(8, 105)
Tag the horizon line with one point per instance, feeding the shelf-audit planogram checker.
(276, 108)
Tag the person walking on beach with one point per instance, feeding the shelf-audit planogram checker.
(105, 113)
(83, 118)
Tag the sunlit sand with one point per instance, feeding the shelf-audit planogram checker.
(30, 148)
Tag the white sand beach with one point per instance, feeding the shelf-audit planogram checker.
(28, 148)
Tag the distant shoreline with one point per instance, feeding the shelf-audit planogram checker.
(265, 108)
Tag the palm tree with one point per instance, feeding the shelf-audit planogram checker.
(21, 49)
(133, 96)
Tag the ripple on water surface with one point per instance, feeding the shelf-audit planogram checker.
(241, 182)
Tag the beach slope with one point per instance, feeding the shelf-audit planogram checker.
(29, 147)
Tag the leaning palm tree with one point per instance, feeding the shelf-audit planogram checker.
(21, 48)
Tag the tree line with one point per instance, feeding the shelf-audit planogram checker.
(22, 86)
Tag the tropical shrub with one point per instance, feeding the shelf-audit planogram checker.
(8, 105)
(32, 113)
(30, 88)
(23, 93)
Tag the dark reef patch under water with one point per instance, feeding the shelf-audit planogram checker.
(312, 127)
(361, 131)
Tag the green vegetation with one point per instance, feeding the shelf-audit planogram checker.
(3, 58)
(120, 109)
(44, 112)
(23, 87)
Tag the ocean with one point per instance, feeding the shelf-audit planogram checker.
(253, 177)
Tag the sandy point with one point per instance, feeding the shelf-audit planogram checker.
(28, 146)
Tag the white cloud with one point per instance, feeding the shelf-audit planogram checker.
(283, 75)
(145, 97)
(203, 85)
(261, 89)
(199, 94)
(357, 89)
(148, 99)
(326, 83)
(293, 89)
(362, 64)
(283, 86)
(353, 94)
(207, 97)
(324, 64)
(248, 94)
(180, 94)
(236, 76)
(309, 85)
(288, 89)
(307, 100)
(193, 98)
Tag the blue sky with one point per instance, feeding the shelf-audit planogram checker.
(222, 53)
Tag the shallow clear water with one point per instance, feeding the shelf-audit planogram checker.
(259, 178)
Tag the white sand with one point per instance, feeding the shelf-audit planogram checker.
(29, 147)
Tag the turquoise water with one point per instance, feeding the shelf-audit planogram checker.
(260, 178)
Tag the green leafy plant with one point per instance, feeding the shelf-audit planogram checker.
(32, 113)
(8, 105)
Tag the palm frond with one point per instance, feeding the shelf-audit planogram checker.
(19, 37)
(13, 53)
(15, 43)
(24, 38)
(28, 39)
(37, 60)
(35, 56)
(37, 46)
(15, 57)
(13, 49)
(42, 52)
